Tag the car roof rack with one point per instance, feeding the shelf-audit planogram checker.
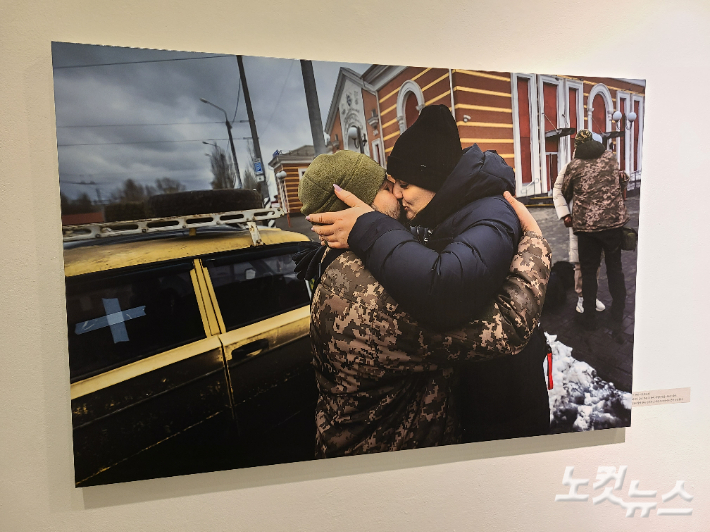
(71, 233)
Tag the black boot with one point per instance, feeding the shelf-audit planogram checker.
(617, 333)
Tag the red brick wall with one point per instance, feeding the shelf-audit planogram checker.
(434, 83)
(486, 98)
(291, 204)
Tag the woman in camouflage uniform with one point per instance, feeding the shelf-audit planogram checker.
(593, 181)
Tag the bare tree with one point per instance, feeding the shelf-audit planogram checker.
(249, 181)
(166, 185)
(130, 191)
(223, 177)
(80, 205)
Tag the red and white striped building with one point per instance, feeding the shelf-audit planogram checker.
(503, 111)
(294, 164)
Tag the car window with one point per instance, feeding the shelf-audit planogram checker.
(252, 286)
(117, 318)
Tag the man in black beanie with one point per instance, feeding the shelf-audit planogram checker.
(449, 266)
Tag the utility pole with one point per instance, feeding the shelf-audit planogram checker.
(238, 180)
(258, 163)
(309, 84)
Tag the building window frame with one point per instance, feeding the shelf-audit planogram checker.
(579, 87)
(638, 123)
(602, 89)
(559, 115)
(408, 87)
(377, 152)
(623, 105)
(528, 188)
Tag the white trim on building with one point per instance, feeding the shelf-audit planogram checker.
(548, 120)
(623, 101)
(534, 186)
(408, 87)
(638, 123)
(602, 89)
(579, 87)
(378, 152)
(380, 75)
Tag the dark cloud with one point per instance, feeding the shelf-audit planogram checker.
(148, 119)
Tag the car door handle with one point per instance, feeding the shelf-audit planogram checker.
(242, 352)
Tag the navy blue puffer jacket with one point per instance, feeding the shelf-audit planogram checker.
(468, 235)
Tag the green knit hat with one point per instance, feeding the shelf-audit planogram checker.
(352, 171)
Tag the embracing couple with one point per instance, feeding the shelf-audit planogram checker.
(427, 296)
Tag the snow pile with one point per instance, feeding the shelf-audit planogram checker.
(580, 400)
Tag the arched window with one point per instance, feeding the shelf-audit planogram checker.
(410, 101)
(598, 124)
(411, 113)
(599, 109)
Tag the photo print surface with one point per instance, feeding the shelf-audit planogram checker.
(198, 342)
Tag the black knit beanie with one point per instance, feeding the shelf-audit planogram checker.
(426, 153)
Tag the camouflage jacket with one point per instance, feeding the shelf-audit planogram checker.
(384, 381)
(596, 186)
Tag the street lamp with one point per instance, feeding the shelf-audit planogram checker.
(231, 141)
(358, 136)
(620, 132)
(617, 116)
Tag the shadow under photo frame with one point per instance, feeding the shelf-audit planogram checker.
(238, 479)
(128, 286)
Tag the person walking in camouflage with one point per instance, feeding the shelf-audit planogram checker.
(384, 380)
(564, 213)
(593, 180)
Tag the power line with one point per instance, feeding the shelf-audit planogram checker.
(280, 95)
(141, 142)
(192, 177)
(140, 62)
(150, 172)
(140, 125)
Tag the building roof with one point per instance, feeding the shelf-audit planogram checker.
(379, 75)
(304, 154)
(343, 75)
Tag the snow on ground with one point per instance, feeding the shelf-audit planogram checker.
(579, 399)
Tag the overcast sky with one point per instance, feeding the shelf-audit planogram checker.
(114, 121)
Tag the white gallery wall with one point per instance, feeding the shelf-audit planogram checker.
(507, 486)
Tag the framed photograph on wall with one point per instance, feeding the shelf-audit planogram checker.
(210, 328)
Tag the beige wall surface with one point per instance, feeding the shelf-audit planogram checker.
(507, 486)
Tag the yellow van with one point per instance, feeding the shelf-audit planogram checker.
(199, 337)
